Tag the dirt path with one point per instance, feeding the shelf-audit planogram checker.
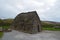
(45, 35)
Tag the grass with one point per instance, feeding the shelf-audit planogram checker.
(52, 29)
(5, 27)
(1, 34)
(47, 26)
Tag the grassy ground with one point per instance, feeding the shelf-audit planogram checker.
(5, 27)
(1, 34)
(52, 29)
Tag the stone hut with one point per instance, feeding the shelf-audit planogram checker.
(27, 22)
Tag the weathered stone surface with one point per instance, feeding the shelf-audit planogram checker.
(27, 22)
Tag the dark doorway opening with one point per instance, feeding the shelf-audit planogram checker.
(38, 29)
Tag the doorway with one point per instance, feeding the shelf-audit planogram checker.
(38, 29)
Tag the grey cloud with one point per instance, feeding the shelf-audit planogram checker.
(10, 8)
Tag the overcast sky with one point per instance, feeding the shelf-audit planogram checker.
(48, 10)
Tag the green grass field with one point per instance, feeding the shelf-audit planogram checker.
(52, 29)
(1, 34)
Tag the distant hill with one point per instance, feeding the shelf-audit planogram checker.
(50, 22)
(44, 23)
